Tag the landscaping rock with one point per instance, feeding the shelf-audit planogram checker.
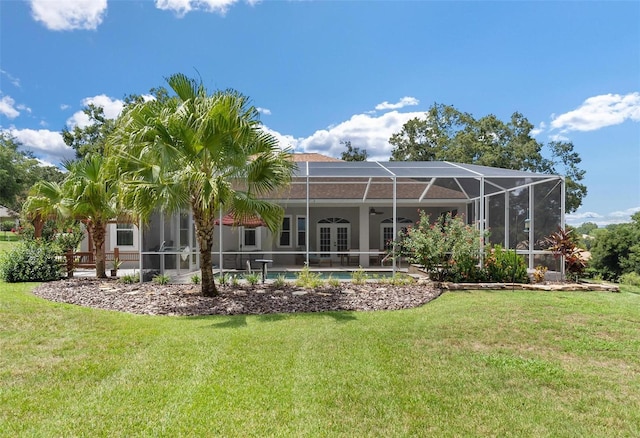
(181, 299)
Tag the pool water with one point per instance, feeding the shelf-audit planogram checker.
(325, 275)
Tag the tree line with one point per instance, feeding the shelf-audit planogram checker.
(185, 147)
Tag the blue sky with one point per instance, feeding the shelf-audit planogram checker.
(328, 71)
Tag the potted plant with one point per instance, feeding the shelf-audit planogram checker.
(116, 265)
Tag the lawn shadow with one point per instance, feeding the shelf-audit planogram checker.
(233, 321)
(341, 316)
(238, 321)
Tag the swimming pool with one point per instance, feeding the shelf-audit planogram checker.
(325, 275)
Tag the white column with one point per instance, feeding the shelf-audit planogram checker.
(363, 238)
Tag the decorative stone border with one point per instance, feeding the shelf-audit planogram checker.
(416, 270)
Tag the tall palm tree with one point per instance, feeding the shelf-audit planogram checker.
(206, 152)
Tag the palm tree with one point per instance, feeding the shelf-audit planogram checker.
(206, 152)
(87, 194)
(91, 196)
(44, 202)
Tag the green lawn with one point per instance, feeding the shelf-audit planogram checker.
(6, 245)
(468, 364)
(8, 236)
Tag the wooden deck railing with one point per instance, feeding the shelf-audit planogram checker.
(86, 259)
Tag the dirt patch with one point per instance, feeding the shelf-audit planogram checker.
(181, 299)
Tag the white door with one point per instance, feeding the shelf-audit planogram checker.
(334, 235)
(386, 231)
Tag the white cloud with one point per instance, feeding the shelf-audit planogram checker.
(14, 81)
(363, 130)
(182, 7)
(7, 107)
(45, 144)
(541, 127)
(112, 109)
(284, 140)
(265, 111)
(624, 213)
(64, 106)
(602, 220)
(599, 112)
(69, 14)
(559, 137)
(405, 101)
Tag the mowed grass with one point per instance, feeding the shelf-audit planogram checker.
(521, 364)
(6, 245)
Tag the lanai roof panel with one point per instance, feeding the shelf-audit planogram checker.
(406, 169)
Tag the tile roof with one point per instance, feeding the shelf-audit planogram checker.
(313, 157)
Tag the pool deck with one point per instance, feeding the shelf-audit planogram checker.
(185, 276)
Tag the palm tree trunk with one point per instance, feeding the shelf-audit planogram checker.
(99, 231)
(204, 231)
(208, 283)
(38, 225)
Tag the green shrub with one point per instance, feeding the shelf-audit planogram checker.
(7, 225)
(630, 278)
(130, 278)
(359, 276)
(308, 279)
(162, 279)
(399, 279)
(505, 266)
(223, 279)
(465, 268)
(31, 261)
(593, 273)
(252, 278)
(280, 281)
(195, 279)
(70, 239)
(333, 282)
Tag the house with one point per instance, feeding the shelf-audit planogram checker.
(7, 214)
(340, 213)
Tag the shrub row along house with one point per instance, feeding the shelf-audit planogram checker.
(340, 213)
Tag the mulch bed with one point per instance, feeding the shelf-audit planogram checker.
(186, 300)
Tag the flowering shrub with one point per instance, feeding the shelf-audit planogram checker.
(448, 249)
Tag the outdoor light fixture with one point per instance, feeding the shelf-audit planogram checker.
(373, 212)
(527, 223)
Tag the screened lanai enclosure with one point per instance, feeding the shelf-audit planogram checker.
(340, 214)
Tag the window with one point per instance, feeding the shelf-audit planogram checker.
(124, 235)
(285, 232)
(302, 230)
(250, 239)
